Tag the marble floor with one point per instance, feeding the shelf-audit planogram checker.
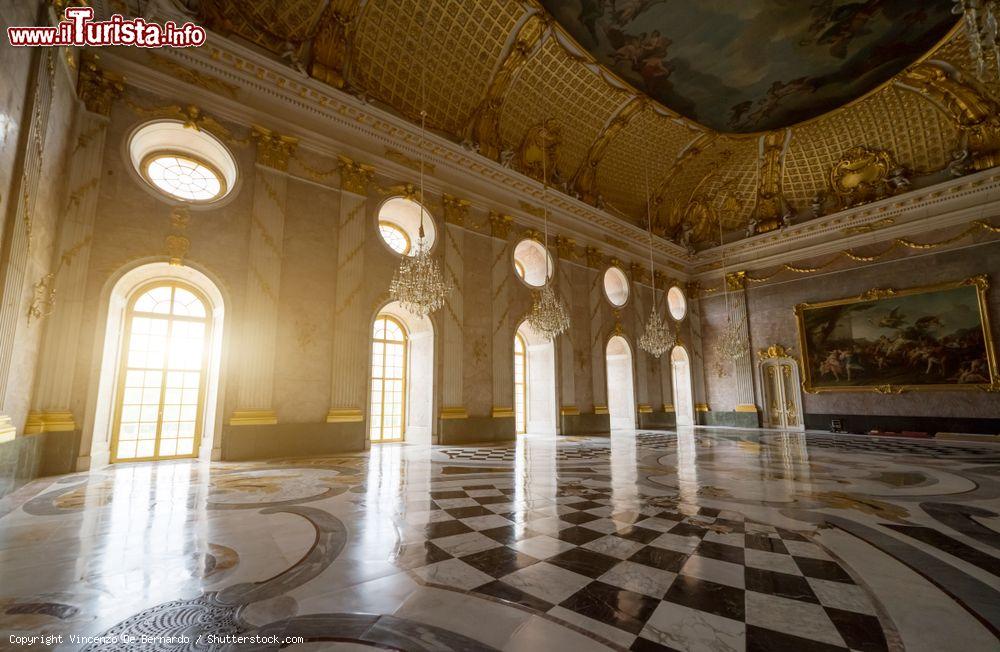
(699, 539)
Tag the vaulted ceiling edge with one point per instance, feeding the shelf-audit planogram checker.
(509, 83)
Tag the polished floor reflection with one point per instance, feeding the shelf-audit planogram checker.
(693, 540)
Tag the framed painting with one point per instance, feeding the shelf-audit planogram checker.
(890, 341)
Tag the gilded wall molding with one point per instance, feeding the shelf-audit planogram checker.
(977, 116)
(332, 47)
(355, 177)
(97, 88)
(482, 133)
(273, 149)
(584, 181)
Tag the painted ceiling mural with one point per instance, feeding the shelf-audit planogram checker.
(754, 65)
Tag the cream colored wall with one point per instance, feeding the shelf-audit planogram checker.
(132, 224)
(772, 321)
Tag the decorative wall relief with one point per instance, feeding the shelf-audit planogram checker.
(887, 340)
(864, 175)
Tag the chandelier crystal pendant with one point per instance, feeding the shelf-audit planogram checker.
(548, 317)
(732, 345)
(658, 337)
(981, 19)
(418, 284)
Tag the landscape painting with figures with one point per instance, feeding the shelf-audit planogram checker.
(922, 337)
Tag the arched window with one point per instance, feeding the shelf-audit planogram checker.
(680, 367)
(388, 391)
(520, 384)
(621, 394)
(538, 390)
(163, 374)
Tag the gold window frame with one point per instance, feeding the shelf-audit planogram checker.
(123, 367)
(980, 283)
(404, 384)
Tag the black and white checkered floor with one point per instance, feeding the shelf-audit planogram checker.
(704, 539)
(645, 571)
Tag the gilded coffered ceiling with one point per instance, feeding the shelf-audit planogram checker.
(505, 79)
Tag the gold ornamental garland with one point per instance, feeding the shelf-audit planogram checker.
(976, 226)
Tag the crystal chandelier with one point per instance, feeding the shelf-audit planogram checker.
(981, 18)
(418, 284)
(657, 338)
(731, 345)
(548, 315)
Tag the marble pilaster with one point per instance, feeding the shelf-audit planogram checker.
(503, 337)
(255, 397)
(350, 350)
(17, 230)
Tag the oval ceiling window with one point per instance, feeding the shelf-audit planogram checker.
(185, 165)
(676, 303)
(399, 225)
(530, 263)
(616, 286)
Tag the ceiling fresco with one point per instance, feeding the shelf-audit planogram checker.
(502, 78)
(754, 65)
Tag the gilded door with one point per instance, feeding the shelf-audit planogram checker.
(781, 394)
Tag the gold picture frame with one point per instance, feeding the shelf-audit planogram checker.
(989, 378)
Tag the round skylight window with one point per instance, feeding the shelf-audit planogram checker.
(530, 259)
(616, 286)
(183, 177)
(399, 225)
(676, 303)
(182, 163)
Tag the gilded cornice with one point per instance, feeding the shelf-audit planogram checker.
(350, 124)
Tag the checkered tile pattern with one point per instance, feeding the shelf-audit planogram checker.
(640, 577)
(898, 447)
(656, 439)
(509, 453)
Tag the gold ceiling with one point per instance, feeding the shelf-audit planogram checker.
(502, 77)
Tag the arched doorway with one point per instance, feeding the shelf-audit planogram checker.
(158, 384)
(400, 377)
(680, 366)
(539, 381)
(520, 384)
(621, 392)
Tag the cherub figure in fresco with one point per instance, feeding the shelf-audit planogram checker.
(838, 25)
